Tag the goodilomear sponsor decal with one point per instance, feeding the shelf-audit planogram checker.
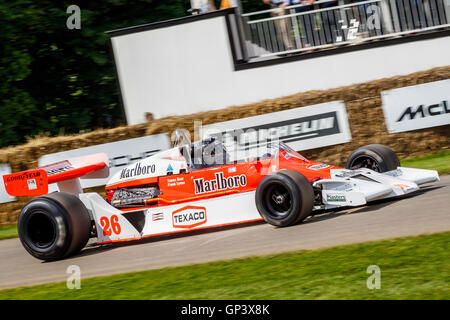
(23, 176)
(189, 217)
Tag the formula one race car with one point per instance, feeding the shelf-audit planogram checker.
(179, 190)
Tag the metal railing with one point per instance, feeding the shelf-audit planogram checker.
(329, 23)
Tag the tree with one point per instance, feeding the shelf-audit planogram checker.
(55, 80)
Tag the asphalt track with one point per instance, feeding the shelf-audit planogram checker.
(426, 211)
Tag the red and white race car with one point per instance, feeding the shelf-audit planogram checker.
(179, 190)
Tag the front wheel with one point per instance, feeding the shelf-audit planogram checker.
(376, 157)
(284, 198)
(54, 226)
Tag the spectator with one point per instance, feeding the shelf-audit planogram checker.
(149, 117)
(109, 121)
(361, 14)
(202, 6)
(282, 25)
(210, 6)
(224, 4)
(308, 31)
(329, 22)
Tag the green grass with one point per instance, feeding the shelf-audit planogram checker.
(411, 268)
(8, 232)
(438, 161)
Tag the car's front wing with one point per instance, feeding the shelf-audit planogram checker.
(357, 187)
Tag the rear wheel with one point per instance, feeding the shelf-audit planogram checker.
(284, 198)
(376, 157)
(54, 226)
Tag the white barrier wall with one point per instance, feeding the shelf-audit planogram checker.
(188, 68)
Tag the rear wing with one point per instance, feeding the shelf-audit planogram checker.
(65, 173)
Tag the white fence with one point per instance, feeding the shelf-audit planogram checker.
(187, 66)
(326, 24)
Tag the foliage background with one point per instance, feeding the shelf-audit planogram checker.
(59, 81)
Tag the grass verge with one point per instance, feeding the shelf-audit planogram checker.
(411, 268)
(437, 161)
(8, 232)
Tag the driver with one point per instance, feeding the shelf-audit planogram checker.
(208, 153)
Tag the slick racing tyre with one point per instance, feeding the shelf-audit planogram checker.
(373, 156)
(54, 226)
(284, 198)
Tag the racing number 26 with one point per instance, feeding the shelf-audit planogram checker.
(110, 227)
